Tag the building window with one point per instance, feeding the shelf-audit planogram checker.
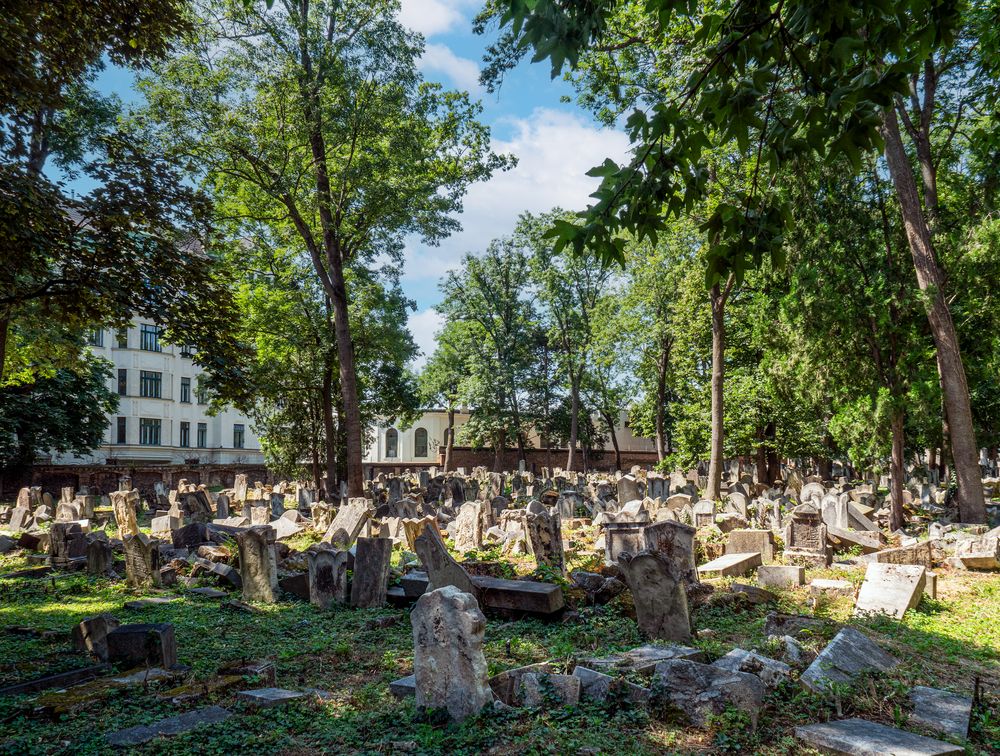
(120, 437)
(420, 442)
(392, 443)
(186, 390)
(122, 338)
(149, 338)
(187, 351)
(122, 382)
(201, 393)
(96, 337)
(149, 431)
(185, 435)
(202, 435)
(150, 384)
(238, 436)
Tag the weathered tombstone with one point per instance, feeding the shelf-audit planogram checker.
(441, 569)
(222, 506)
(674, 541)
(371, 572)
(327, 577)
(805, 538)
(622, 538)
(350, 518)
(834, 511)
(748, 541)
(142, 561)
(704, 513)
(890, 589)
(468, 527)
(240, 487)
(99, 557)
(660, 597)
(91, 635)
(628, 488)
(448, 660)
(123, 503)
(143, 645)
(258, 566)
(850, 653)
(544, 536)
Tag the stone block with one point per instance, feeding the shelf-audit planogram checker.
(850, 653)
(702, 691)
(780, 576)
(941, 710)
(267, 698)
(189, 720)
(143, 645)
(731, 565)
(859, 737)
(890, 589)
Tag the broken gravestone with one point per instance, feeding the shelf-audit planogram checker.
(850, 653)
(258, 566)
(327, 577)
(702, 691)
(659, 595)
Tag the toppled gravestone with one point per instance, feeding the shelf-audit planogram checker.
(859, 737)
(597, 686)
(177, 725)
(143, 645)
(771, 671)
(701, 691)
(448, 661)
(91, 635)
(850, 653)
(941, 710)
(890, 589)
(539, 688)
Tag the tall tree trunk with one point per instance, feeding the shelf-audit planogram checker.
(719, 296)
(760, 458)
(330, 432)
(348, 385)
(574, 422)
(661, 402)
(450, 439)
(4, 330)
(972, 506)
(498, 452)
(896, 472)
(609, 419)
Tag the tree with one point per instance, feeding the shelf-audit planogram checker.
(313, 116)
(568, 289)
(62, 413)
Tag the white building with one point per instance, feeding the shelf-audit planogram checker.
(161, 417)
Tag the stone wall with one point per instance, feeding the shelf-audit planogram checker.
(536, 459)
(105, 477)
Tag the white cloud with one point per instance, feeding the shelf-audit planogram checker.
(463, 72)
(424, 325)
(430, 17)
(555, 149)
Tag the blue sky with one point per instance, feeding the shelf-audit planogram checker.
(555, 142)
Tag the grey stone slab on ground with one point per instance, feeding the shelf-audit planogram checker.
(731, 565)
(148, 603)
(266, 698)
(859, 737)
(890, 589)
(771, 671)
(702, 691)
(644, 658)
(182, 723)
(780, 576)
(404, 686)
(538, 688)
(597, 686)
(850, 653)
(941, 710)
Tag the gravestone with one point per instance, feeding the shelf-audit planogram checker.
(123, 503)
(749, 541)
(99, 557)
(448, 661)
(371, 572)
(468, 527)
(659, 595)
(142, 561)
(544, 535)
(859, 737)
(91, 635)
(890, 589)
(674, 541)
(258, 566)
(703, 513)
(628, 489)
(350, 518)
(850, 653)
(327, 577)
(141, 645)
(731, 565)
(240, 487)
(805, 538)
(441, 569)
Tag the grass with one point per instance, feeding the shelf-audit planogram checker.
(947, 642)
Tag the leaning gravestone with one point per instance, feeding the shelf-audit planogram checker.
(675, 542)
(258, 567)
(544, 536)
(99, 557)
(123, 503)
(441, 569)
(448, 661)
(850, 653)
(142, 561)
(350, 518)
(371, 572)
(890, 589)
(660, 597)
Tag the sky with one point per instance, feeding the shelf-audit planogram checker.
(555, 142)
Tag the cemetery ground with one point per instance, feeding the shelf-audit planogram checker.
(345, 659)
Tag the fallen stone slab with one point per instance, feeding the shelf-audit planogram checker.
(213, 593)
(978, 553)
(836, 587)
(597, 686)
(868, 541)
(731, 565)
(941, 710)
(795, 625)
(178, 725)
(859, 737)
(518, 595)
(890, 589)
(137, 645)
(702, 691)
(148, 603)
(780, 576)
(60, 680)
(918, 553)
(506, 685)
(850, 653)
(538, 688)
(644, 658)
(266, 698)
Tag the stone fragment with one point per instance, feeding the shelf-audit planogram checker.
(979, 553)
(659, 596)
(850, 653)
(124, 503)
(267, 698)
(91, 635)
(750, 541)
(448, 661)
(643, 659)
(771, 672)
(890, 589)
(544, 537)
(143, 645)
(859, 737)
(795, 625)
(941, 710)
(731, 565)
(100, 558)
(702, 691)
(441, 568)
(539, 688)
(404, 686)
(780, 576)
(350, 519)
(918, 553)
(506, 685)
(599, 687)
(832, 586)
